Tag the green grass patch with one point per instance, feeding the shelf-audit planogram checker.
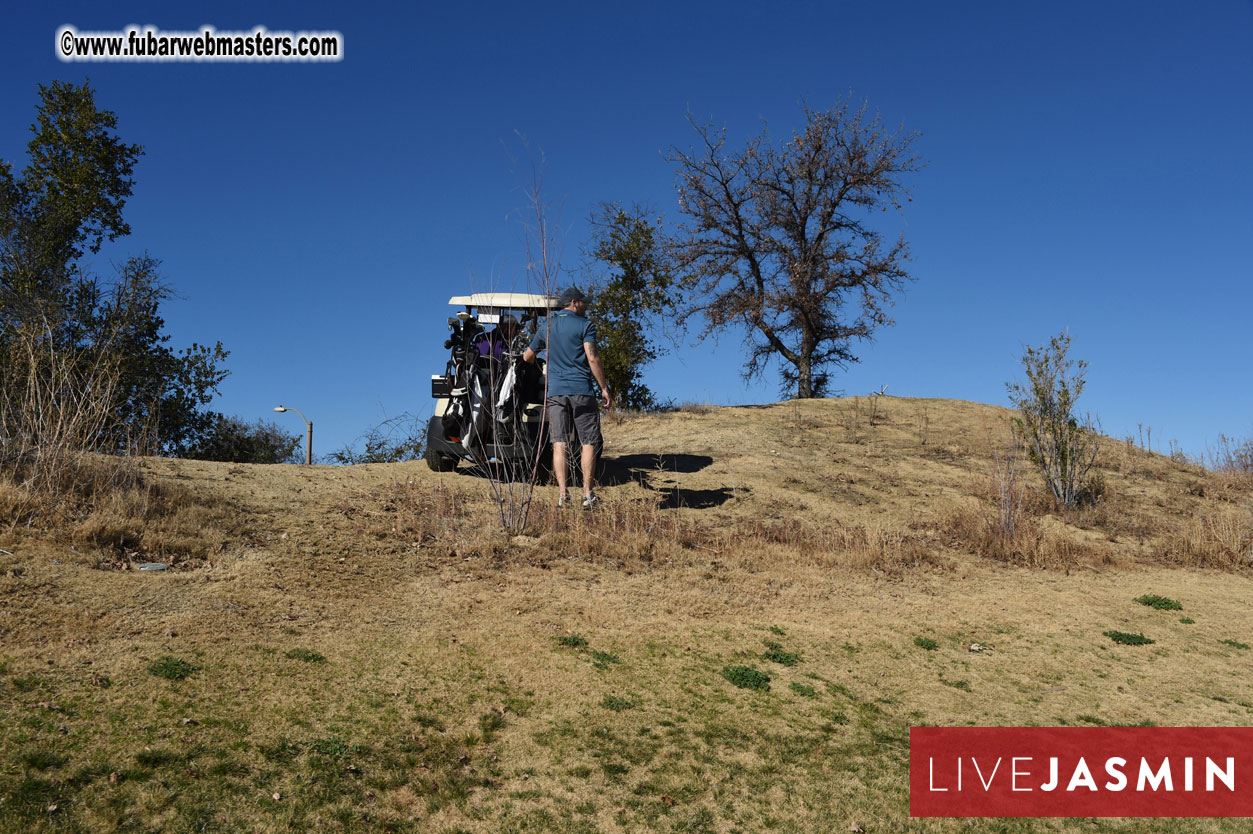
(282, 751)
(964, 686)
(1127, 639)
(602, 660)
(926, 643)
(803, 689)
(29, 683)
(333, 747)
(429, 721)
(491, 723)
(776, 654)
(572, 641)
(774, 629)
(1187, 620)
(172, 668)
(1235, 644)
(44, 759)
(1160, 603)
(153, 759)
(746, 677)
(307, 655)
(616, 703)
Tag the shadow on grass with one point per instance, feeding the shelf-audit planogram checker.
(636, 468)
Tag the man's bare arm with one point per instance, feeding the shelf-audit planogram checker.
(598, 371)
(528, 355)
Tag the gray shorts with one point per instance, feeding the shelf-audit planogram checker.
(579, 409)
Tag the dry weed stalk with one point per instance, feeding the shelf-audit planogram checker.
(1007, 457)
(55, 407)
(512, 484)
(1232, 457)
(1220, 538)
(852, 421)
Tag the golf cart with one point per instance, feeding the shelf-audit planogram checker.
(489, 404)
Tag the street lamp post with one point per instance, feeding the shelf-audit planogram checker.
(308, 435)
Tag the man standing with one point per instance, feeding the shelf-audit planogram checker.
(572, 363)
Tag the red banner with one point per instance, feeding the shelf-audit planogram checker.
(1081, 772)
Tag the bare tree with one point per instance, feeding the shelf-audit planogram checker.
(780, 239)
(513, 482)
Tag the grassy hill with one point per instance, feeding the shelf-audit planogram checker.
(364, 649)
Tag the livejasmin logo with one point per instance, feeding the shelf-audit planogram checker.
(1081, 771)
(1081, 775)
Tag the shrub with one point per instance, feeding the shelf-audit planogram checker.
(1062, 448)
(1126, 639)
(394, 440)
(232, 440)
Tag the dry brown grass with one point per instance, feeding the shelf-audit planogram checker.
(108, 513)
(1221, 538)
(447, 702)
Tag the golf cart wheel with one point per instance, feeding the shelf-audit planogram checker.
(439, 462)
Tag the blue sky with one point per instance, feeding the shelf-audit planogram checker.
(1088, 168)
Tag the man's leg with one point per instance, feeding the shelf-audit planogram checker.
(589, 468)
(559, 420)
(587, 421)
(559, 467)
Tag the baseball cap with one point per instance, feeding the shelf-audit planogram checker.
(571, 295)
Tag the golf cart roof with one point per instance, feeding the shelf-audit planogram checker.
(491, 302)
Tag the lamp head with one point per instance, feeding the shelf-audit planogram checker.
(280, 409)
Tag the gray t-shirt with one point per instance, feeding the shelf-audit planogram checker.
(569, 373)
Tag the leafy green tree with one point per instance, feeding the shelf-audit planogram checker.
(638, 290)
(67, 201)
(161, 392)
